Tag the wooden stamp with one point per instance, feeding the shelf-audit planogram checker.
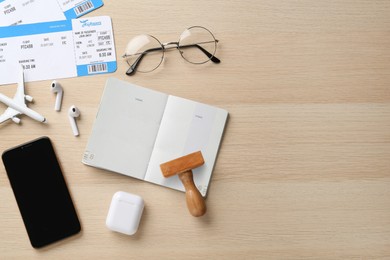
(183, 167)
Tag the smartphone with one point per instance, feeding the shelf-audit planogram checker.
(41, 192)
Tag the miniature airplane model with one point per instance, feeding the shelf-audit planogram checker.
(17, 105)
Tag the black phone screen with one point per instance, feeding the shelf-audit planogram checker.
(41, 193)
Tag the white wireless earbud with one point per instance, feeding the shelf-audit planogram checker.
(56, 88)
(73, 113)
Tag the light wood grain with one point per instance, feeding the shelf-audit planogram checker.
(303, 170)
(185, 163)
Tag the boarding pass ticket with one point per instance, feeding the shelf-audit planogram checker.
(60, 49)
(13, 12)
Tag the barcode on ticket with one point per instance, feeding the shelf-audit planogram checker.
(97, 68)
(83, 8)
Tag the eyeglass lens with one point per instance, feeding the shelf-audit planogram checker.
(197, 45)
(145, 52)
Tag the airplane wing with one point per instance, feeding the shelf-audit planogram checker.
(19, 95)
(8, 114)
(19, 98)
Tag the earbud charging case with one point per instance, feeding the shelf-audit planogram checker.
(125, 213)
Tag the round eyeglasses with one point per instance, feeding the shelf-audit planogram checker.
(196, 45)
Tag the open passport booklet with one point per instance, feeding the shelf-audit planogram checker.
(137, 129)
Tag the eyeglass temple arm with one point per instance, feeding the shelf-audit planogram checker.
(208, 54)
(134, 66)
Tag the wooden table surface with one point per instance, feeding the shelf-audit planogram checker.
(304, 166)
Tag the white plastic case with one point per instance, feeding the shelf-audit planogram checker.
(125, 213)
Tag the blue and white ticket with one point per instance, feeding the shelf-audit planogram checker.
(13, 12)
(60, 49)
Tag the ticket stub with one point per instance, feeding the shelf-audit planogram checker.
(13, 12)
(60, 49)
(75, 8)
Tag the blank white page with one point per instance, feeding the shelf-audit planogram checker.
(187, 127)
(125, 128)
